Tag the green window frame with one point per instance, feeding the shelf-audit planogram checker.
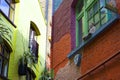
(94, 13)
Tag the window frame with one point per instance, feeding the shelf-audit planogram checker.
(33, 42)
(3, 59)
(11, 5)
(84, 11)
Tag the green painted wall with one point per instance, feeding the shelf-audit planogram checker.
(25, 12)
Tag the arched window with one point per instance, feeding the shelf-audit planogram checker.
(33, 45)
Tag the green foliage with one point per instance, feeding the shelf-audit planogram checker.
(46, 75)
(29, 59)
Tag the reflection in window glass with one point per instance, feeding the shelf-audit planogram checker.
(4, 7)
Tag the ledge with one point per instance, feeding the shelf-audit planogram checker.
(103, 27)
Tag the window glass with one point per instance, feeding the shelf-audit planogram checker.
(80, 6)
(6, 54)
(96, 6)
(4, 60)
(103, 15)
(33, 45)
(90, 13)
(0, 64)
(97, 17)
(5, 68)
(102, 3)
(80, 30)
(4, 7)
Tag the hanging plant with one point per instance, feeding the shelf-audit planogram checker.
(27, 59)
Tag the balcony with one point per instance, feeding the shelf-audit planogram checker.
(7, 30)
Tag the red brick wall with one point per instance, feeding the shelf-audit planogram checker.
(118, 5)
(104, 46)
(60, 51)
(61, 38)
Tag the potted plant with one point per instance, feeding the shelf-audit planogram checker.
(27, 59)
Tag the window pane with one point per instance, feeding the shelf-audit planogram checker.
(102, 3)
(6, 54)
(97, 25)
(4, 7)
(103, 16)
(90, 13)
(80, 7)
(97, 18)
(5, 68)
(80, 30)
(96, 7)
(0, 64)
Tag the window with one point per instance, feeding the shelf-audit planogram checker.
(33, 42)
(4, 60)
(91, 15)
(7, 7)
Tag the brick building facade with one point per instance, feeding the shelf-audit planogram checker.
(100, 54)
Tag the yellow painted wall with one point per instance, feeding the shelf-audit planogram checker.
(25, 12)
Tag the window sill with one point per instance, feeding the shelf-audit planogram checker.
(103, 27)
